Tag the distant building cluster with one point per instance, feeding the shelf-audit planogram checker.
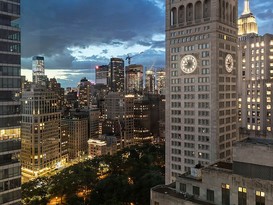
(61, 125)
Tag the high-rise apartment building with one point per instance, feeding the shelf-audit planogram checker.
(134, 79)
(40, 131)
(10, 84)
(116, 68)
(255, 74)
(201, 52)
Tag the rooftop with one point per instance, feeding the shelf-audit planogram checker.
(163, 189)
(256, 141)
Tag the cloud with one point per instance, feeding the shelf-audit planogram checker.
(50, 27)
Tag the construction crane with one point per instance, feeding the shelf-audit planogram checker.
(128, 58)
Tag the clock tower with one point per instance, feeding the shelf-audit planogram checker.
(201, 46)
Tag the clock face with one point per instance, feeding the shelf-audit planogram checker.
(229, 63)
(188, 64)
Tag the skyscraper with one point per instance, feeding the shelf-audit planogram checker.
(134, 79)
(201, 50)
(38, 70)
(10, 83)
(116, 74)
(161, 81)
(255, 74)
(150, 81)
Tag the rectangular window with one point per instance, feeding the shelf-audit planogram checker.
(260, 198)
(225, 194)
(210, 195)
(195, 190)
(183, 187)
(241, 196)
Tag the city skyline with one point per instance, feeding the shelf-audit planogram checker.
(74, 37)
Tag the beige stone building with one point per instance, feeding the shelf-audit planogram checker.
(255, 74)
(77, 134)
(248, 180)
(201, 64)
(40, 131)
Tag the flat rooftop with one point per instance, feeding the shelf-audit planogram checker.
(163, 189)
(257, 141)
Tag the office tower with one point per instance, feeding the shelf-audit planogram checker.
(244, 181)
(10, 84)
(71, 99)
(102, 74)
(85, 90)
(94, 123)
(119, 113)
(142, 119)
(150, 81)
(40, 132)
(116, 67)
(255, 74)
(134, 79)
(56, 87)
(78, 135)
(38, 70)
(160, 81)
(201, 52)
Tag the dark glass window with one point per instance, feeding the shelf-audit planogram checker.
(183, 187)
(196, 190)
(210, 195)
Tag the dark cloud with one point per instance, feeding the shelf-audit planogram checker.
(50, 27)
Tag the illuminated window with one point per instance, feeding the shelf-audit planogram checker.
(225, 194)
(242, 196)
(260, 198)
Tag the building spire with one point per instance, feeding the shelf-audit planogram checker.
(246, 8)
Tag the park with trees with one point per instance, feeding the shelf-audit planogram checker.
(121, 179)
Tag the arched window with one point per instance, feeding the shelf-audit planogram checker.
(181, 14)
(206, 9)
(189, 12)
(198, 10)
(173, 16)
